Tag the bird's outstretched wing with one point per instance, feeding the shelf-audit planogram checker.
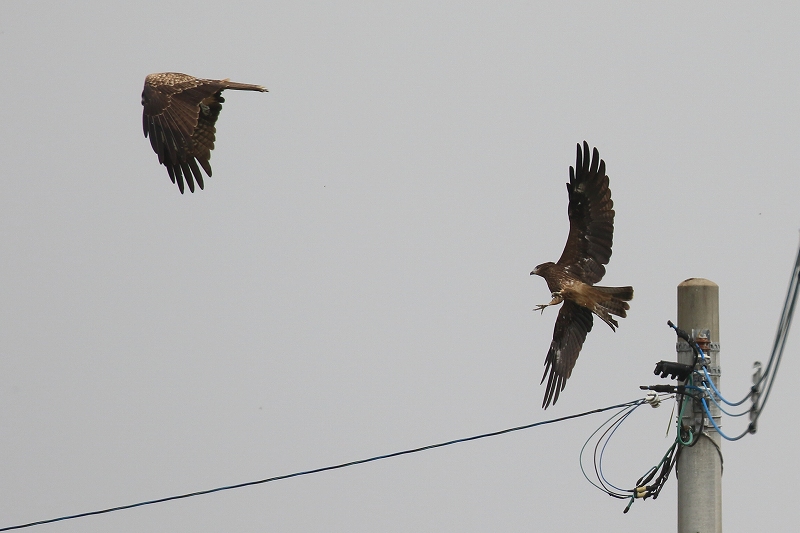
(591, 218)
(179, 116)
(572, 325)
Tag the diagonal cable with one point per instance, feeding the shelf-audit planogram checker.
(318, 470)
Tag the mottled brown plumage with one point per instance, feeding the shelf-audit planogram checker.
(179, 116)
(571, 280)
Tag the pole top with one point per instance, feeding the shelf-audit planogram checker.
(698, 306)
(697, 282)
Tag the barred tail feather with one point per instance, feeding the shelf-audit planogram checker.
(612, 305)
(623, 293)
(615, 307)
(243, 86)
(605, 316)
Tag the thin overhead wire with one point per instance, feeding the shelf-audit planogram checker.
(782, 333)
(771, 370)
(322, 469)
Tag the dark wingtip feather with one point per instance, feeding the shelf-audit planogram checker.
(171, 173)
(587, 157)
(595, 161)
(555, 383)
(198, 176)
(206, 166)
(554, 387)
(187, 174)
(178, 177)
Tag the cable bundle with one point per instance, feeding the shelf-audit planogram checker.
(698, 387)
(651, 483)
(765, 380)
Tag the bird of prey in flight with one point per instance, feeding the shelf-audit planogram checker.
(179, 116)
(572, 279)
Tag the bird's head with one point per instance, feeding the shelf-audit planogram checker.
(540, 270)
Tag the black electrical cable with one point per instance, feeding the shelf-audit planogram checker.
(317, 470)
(782, 334)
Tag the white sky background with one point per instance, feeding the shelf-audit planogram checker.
(354, 280)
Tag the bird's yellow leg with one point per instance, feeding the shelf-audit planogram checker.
(557, 299)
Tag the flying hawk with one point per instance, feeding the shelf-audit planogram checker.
(179, 116)
(571, 280)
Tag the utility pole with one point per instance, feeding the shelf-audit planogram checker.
(699, 467)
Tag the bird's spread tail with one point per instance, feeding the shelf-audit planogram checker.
(623, 293)
(614, 301)
(243, 86)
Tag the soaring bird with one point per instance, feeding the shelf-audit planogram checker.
(179, 116)
(572, 279)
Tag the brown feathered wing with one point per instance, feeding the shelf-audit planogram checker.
(179, 116)
(572, 325)
(591, 218)
(588, 248)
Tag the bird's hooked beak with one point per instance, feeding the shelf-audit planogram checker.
(535, 271)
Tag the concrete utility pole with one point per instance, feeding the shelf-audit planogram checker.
(699, 467)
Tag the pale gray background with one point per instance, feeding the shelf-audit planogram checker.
(354, 279)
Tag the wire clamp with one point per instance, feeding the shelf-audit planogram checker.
(653, 399)
(755, 395)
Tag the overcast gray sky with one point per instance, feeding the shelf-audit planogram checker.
(354, 279)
